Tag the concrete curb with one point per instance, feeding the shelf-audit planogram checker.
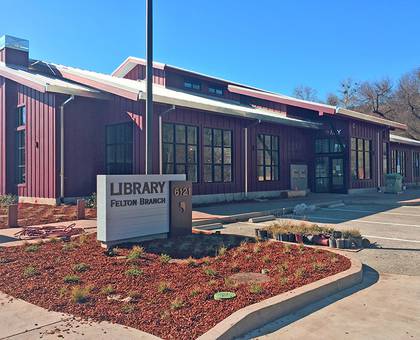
(261, 313)
(246, 216)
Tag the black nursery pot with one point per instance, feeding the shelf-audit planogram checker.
(262, 234)
(285, 237)
(292, 238)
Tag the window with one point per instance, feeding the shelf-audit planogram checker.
(398, 162)
(119, 149)
(217, 90)
(180, 150)
(361, 155)
(416, 164)
(328, 145)
(385, 158)
(20, 145)
(267, 158)
(217, 155)
(192, 84)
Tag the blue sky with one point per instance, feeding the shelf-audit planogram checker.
(273, 44)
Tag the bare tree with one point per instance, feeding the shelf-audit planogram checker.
(306, 93)
(376, 96)
(348, 93)
(332, 99)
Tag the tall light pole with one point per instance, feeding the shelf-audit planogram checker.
(149, 86)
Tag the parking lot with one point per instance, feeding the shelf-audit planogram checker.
(384, 305)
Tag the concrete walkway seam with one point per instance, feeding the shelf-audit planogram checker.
(259, 314)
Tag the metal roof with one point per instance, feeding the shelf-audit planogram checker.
(369, 118)
(136, 90)
(404, 140)
(44, 83)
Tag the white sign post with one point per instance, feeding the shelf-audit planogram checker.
(133, 207)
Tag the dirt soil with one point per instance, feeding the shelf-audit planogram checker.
(170, 298)
(34, 214)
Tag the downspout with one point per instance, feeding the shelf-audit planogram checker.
(71, 98)
(246, 155)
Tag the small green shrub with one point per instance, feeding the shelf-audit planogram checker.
(255, 288)
(134, 272)
(163, 287)
(127, 308)
(266, 259)
(71, 279)
(30, 271)
(135, 295)
(230, 283)
(68, 246)
(210, 272)
(91, 201)
(54, 240)
(107, 290)
(334, 259)
(191, 262)
(164, 258)
(6, 200)
(283, 280)
(287, 249)
(195, 292)
(79, 294)
(300, 273)
(33, 248)
(165, 315)
(178, 303)
(206, 261)
(257, 248)
(62, 292)
(80, 267)
(82, 238)
(221, 251)
(318, 266)
(135, 253)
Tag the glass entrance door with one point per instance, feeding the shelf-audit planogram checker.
(337, 175)
(322, 174)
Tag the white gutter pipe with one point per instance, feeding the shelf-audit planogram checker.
(71, 98)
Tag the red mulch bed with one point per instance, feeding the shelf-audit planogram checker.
(289, 266)
(34, 214)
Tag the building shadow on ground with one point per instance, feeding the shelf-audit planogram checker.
(370, 277)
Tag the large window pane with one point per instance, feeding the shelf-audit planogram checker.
(217, 155)
(119, 148)
(267, 158)
(180, 150)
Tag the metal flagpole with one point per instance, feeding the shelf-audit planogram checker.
(149, 86)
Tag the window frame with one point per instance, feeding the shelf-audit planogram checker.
(20, 148)
(264, 164)
(193, 82)
(212, 164)
(128, 142)
(215, 88)
(361, 158)
(416, 164)
(173, 145)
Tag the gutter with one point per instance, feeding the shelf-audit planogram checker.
(68, 100)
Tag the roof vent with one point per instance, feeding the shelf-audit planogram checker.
(7, 41)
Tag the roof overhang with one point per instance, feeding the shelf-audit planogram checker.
(368, 118)
(136, 90)
(128, 64)
(320, 108)
(404, 140)
(45, 84)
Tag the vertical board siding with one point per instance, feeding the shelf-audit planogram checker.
(409, 149)
(368, 131)
(40, 130)
(2, 136)
(139, 73)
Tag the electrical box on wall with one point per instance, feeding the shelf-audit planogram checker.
(299, 177)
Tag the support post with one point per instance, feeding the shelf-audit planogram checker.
(12, 216)
(81, 206)
(246, 161)
(149, 86)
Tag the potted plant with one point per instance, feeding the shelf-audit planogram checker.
(340, 243)
(356, 238)
(332, 242)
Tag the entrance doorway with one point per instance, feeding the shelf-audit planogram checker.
(329, 174)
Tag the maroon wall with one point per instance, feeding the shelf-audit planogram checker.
(409, 149)
(2, 136)
(139, 73)
(41, 146)
(14, 57)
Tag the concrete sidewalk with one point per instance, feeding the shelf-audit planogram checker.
(378, 308)
(22, 320)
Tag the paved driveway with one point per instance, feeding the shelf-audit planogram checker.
(386, 305)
